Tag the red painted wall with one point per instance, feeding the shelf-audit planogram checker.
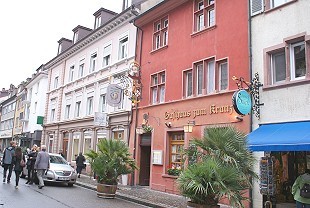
(228, 39)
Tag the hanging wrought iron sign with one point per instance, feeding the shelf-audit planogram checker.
(242, 101)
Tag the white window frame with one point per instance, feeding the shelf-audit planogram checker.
(77, 109)
(98, 22)
(292, 60)
(56, 79)
(274, 68)
(211, 17)
(211, 76)
(81, 68)
(274, 3)
(220, 75)
(53, 111)
(103, 103)
(93, 59)
(199, 78)
(107, 55)
(200, 22)
(71, 73)
(123, 47)
(75, 37)
(187, 80)
(67, 111)
(90, 105)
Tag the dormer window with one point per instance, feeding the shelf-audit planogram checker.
(98, 22)
(75, 37)
(59, 49)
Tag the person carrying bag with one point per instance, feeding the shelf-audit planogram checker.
(301, 190)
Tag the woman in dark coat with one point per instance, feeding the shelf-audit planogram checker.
(79, 163)
(18, 168)
(30, 164)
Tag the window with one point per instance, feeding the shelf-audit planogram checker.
(30, 94)
(107, 55)
(288, 62)
(75, 37)
(77, 109)
(35, 107)
(278, 67)
(93, 59)
(102, 103)
(158, 82)
(175, 150)
(276, 3)
(118, 135)
(188, 83)
(123, 48)
(199, 78)
(89, 107)
(298, 61)
(67, 112)
(71, 73)
(81, 68)
(52, 114)
(211, 77)
(223, 76)
(160, 35)
(98, 22)
(38, 86)
(56, 82)
(204, 14)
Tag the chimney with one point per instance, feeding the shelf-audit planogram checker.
(64, 44)
(79, 33)
(102, 16)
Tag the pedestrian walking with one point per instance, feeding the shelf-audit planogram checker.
(7, 161)
(42, 164)
(18, 161)
(79, 163)
(32, 156)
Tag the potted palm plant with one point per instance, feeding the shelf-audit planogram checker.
(112, 160)
(222, 168)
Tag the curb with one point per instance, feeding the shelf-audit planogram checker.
(128, 197)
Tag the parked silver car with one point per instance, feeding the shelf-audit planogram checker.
(60, 171)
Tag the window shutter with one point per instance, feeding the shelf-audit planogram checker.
(257, 6)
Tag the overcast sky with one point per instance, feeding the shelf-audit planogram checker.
(30, 30)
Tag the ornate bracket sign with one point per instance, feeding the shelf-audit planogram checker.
(131, 82)
(114, 95)
(242, 100)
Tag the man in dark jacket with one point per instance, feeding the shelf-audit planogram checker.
(7, 161)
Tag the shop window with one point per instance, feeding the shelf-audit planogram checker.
(176, 146)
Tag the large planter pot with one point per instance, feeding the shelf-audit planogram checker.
(194, 205)
(106, 191)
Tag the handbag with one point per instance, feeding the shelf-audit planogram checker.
(22, 163)
(305, 191)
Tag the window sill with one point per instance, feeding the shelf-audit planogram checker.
(203, 31)
(158, 49)
(287, 84)
(169, 176)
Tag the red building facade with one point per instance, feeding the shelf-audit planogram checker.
(188, 51)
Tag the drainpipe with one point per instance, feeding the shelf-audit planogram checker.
(251, 76)
(137, 105)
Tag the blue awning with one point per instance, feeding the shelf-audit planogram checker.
(291, 136)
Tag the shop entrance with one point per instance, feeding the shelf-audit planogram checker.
(282, 170)
(145, 160)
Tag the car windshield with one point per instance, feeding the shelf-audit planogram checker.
(57, 159)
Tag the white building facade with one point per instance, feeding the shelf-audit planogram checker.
(78, 80)
(280, 46)
(34, 106)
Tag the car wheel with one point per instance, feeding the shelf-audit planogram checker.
(70, 184)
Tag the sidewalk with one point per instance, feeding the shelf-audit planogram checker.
(140, 194)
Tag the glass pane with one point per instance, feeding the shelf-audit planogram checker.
(189, 85)
(75, 147)
(211, 77)
(278, 67)
(211, 17)
(162, 94)
(199, 79)
(300, 61)
(154, 95)
(224, 76)
(200, 22)
(87, 145)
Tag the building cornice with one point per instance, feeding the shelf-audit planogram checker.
(126, 16)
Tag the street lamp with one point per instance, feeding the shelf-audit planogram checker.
(188, 128)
